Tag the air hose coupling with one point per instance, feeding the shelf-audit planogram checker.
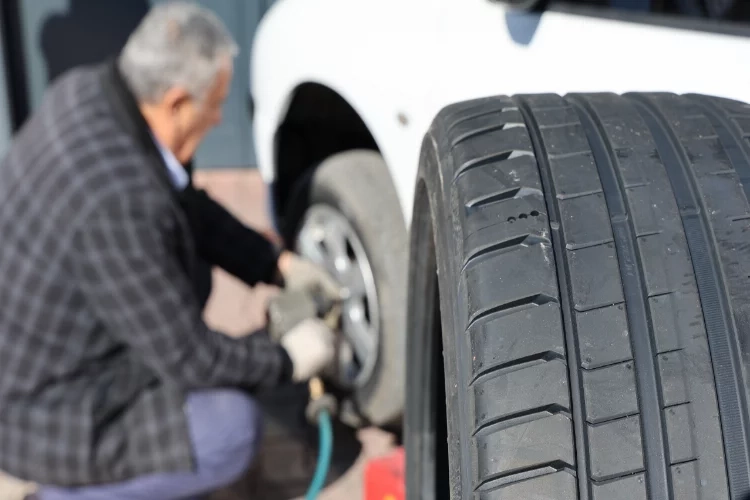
(319, 401)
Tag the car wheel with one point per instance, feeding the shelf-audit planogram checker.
(352, 224)
(579, 310)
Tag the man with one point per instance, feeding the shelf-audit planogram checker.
(111, 385)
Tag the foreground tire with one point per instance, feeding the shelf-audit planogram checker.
(528, 5)
(582, 264)
(352, 223)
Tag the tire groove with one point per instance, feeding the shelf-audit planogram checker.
(523, 240)
(614, 478)
(720, 329)
(464, 119)
(647, 376)
(521, 417)
(609, 420)
(515, 365)
(578, 195)
(606, 365)
(517, 475)
(484, 130)
(506, 194)
(498, 157)
(580, 436)
(596, 307)
(587, 245)
(538, 299)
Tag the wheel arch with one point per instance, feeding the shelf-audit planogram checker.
(318, 123)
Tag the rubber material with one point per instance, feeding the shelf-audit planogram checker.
(526, 4)
(593, 256)
(324, 456)
(358, 184)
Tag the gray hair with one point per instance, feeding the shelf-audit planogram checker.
(177, 44)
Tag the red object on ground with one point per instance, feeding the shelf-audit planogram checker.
(385, 477)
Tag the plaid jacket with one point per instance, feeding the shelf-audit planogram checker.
(101, 333)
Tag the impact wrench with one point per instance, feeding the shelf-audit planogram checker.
(284, 312)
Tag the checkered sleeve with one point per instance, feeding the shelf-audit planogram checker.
(129, 272)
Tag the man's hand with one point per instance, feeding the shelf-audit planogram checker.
(311, 347)
(299, 273)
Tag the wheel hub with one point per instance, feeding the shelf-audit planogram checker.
(327, 238)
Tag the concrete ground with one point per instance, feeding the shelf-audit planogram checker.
(287, 458)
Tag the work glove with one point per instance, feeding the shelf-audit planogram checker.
(311, 347)
(302, 274)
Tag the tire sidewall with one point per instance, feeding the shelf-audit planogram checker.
(380, 399)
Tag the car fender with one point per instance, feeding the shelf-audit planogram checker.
(398, 63)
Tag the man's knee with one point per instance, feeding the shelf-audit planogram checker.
(226, 428)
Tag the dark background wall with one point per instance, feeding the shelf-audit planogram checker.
(43, 38)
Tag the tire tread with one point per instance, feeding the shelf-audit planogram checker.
(601, 291)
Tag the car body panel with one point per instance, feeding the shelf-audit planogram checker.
(398, 63)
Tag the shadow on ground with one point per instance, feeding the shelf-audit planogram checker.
(288, 456)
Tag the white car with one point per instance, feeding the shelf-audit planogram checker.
(578, 270)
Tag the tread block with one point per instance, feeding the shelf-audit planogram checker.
(454, 114)
(499, 341)
(565, 140)
(534, 444)
(520, 392)
(688, 487)
(622, 129)
(637, 165)
(556, 117)
(545, 102)
(522, 209)
(483, 123)
(513, 277)
(595, 277)
(743, 122)
(707, 157)
(610, 392)
(627, 488)
(696, 127)
(585, 221)
(490, 148)
(676, 317)
(505, 235)
(488, 182)
(559, 485)
(679, 431)
(666, 264)
(673, 373)
(728, 195)
(616, 448)
(603, 336)
(575, 175)
(652, 212)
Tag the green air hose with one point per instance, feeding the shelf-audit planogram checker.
(324, 455)
(285, 311)
(319, 410)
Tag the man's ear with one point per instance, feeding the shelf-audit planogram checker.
(174, 99)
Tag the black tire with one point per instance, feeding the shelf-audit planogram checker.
(592, 256)
(357, 184)
(527, 5)
(731, 10)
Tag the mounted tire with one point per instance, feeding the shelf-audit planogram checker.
(579, 310)
(350, 220)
